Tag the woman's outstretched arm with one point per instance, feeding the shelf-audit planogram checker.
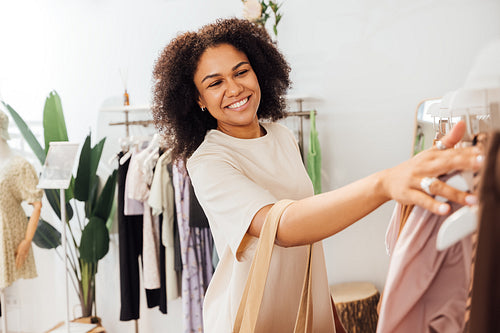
(312, 219)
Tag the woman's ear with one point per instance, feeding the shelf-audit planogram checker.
(201, 104)
(198, 100)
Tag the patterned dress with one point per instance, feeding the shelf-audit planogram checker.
(18, 181)
(196, 252)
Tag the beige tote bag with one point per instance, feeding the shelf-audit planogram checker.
(248, 311)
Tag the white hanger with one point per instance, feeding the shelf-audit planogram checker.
(480, 96)
(127, 155)
(458, 225)
(463, 222)
(125, 146)
(154, 143)
(135, 141)
(153, 147)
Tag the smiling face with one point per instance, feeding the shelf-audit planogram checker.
(229, 89)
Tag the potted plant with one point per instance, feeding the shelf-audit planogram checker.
(88, 233)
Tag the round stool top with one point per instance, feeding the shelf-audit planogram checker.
(352, 291)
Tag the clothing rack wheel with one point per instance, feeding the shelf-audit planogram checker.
(356, 304)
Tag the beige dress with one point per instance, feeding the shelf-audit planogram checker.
(18, 181)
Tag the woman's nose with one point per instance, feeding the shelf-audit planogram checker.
(234, 88)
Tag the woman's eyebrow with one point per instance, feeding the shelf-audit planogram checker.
(217, 74)
(240, 64)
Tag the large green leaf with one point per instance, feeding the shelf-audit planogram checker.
(54, 126)
(82, 180)
(27, 134)
(91, 202)
(69, 192)
(94, 243)
(53, 198)
(105, 201)
(46, 236)
(111, 218)
(95, 157)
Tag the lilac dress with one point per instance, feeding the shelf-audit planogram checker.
(196, 251)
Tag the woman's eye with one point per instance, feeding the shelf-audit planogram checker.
(242, 72)
(213, 84)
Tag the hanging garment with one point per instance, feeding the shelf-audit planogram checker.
(161, 200)
(426, 289)
(18, 181)
(138, 186)
(177, 241)
(485, 305)
(132, 206)
(192, 272)
(471, 283)
(130, 248)
(177, 247)
(197, 217)
(203, 243)
(314, 156)
(163, 278)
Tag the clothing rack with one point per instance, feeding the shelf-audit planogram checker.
(126, 109)
(127, 123)
(301, 114)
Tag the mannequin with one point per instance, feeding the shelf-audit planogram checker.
(18, 182)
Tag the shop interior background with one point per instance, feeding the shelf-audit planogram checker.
(365, 64)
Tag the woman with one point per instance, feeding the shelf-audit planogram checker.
(213, 89)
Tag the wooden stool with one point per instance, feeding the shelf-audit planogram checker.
(356, 304)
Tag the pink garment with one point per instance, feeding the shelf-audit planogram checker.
(426, 289)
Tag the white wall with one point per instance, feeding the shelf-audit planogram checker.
(368, 62)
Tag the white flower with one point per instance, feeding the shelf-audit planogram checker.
(252, 10)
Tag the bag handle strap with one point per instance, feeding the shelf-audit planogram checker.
(303, 323)
(248, 311)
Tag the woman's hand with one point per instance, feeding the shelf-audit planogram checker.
(403, 182)
(22, 252)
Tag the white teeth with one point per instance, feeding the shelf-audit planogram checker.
(238, 104)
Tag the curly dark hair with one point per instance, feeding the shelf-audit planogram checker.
(176, 112)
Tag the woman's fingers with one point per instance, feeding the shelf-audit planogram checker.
(442, 189)
(427, 202)
(438, 162)
(459, 159)
(455, 135)
(415, 181)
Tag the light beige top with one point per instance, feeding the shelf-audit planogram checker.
(18, 181)
(234, 178)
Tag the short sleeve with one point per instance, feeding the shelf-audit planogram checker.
(228, 197)
(28, 184)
